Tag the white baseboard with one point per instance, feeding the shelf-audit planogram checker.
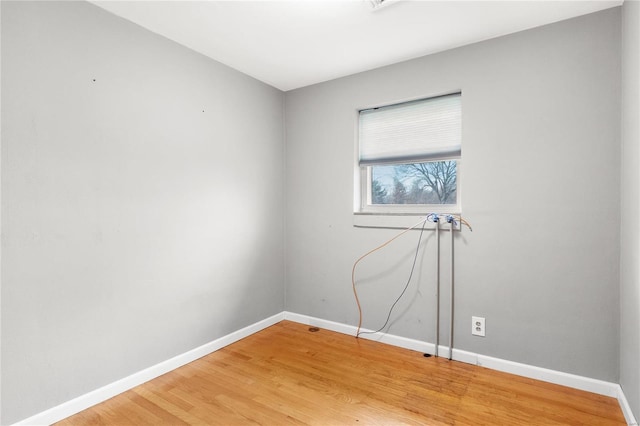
(552, 376)
(97, 396)
(389, 339)
(626, 409)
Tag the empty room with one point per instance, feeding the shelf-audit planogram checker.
(373, 212)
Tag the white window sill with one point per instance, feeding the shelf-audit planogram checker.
(396, 221)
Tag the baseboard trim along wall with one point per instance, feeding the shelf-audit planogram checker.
(557, 377)
(626, 409)
(97, 396)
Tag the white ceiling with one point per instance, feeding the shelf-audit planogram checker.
(295, 43)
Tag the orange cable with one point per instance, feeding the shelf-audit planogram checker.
(353, 271)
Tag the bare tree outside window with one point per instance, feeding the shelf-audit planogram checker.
(417, 183)
(378, 193)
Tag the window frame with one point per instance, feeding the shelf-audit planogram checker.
(365, 206)
(362, 189)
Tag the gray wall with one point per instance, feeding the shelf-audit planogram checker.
(142, 206)
(540, 185)
(134, 227)
(630, 229)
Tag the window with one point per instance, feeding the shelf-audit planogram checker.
(409, 156)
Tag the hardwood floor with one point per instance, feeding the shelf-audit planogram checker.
(287, 374)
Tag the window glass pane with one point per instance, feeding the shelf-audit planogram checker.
(432, 182)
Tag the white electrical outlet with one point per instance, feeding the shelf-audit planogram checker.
(477, 326)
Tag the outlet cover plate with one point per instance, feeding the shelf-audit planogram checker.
(478, 326)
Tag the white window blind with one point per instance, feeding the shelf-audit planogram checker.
(411, 132)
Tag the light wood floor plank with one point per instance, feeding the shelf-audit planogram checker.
(288, 375)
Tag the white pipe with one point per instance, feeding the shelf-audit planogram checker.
(451, 307)
(437, 285)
